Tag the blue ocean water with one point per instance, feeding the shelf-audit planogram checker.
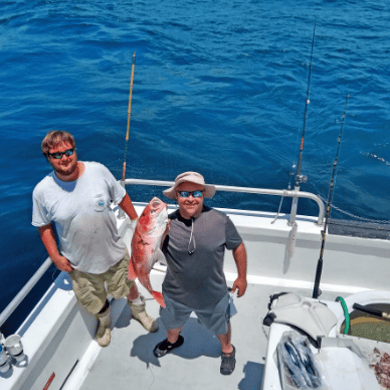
(219, 87)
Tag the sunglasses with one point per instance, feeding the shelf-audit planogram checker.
(186, 194)
(58, 155)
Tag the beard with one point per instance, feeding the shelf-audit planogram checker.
(68, 170)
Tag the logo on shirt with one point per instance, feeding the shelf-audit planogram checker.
(99, 204)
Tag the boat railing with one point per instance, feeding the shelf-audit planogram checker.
(24, 291)
(247, 190)
(261, 191)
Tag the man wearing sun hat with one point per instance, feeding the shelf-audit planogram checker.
(195, 281)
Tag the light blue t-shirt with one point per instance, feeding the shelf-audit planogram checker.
(81, 214)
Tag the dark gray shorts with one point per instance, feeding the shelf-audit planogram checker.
(215, 318)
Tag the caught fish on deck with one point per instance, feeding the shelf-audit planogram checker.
(146, 245)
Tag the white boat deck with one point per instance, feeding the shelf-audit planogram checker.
(58, 335)
(128, 362)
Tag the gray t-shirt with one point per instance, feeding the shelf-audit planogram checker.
(197, 280)
(82, 217)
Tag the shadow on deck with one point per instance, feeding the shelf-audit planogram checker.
(128, 362)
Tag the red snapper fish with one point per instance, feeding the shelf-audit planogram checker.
(146, 244)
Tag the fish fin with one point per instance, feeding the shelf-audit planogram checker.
(159, 298)
(131, 273)
(157, 256)
(161, 257)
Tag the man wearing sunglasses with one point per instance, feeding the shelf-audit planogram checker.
(74, 199)
(195, 281)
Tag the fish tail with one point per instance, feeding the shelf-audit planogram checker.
(159, 298)
(131, 273)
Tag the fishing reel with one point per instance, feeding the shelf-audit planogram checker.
(301, 179)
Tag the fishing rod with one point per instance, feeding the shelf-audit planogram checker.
(128, 120)
(299, 178)
(372, 311)
(316, 290)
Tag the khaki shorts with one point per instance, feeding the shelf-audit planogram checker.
(90, 290)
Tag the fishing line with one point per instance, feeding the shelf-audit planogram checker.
(316, 290)
(128, 120)
(299, 178)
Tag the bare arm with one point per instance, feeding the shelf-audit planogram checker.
(47, 236)
(127, 206)
(239, 255)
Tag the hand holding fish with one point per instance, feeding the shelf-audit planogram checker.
(166, 232)
(133, 224)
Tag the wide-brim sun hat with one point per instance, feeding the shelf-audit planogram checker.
(190, 177)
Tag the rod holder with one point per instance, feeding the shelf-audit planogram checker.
(11, 353)
(14, 347)
(5, 363)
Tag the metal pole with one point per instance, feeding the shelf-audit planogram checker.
(24, 291)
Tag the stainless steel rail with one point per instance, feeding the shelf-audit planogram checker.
(248, 190)
(24, 291)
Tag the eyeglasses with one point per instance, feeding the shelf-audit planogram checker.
(58, 155)
(186, 194)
